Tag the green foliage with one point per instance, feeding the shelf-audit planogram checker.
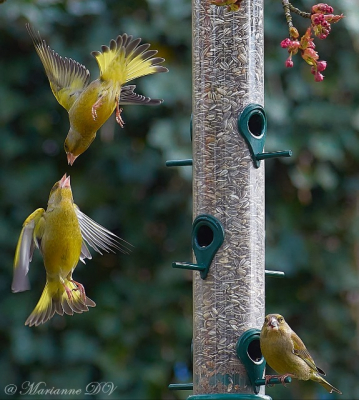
(139, 334)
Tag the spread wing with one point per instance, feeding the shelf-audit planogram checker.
(67, 77)
(125, 60)
(301, 351)
(24, 250)
(98, 237)
(85, 252)
(129, 97)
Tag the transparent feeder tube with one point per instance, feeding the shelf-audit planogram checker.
(227, 76)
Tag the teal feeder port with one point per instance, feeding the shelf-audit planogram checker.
(249, 352)
(207, 238)
(252, 125)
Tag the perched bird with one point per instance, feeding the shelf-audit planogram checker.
(91, 104)
(286, 353)
(60, 234)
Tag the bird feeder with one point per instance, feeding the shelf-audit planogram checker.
(227, 77)
(228, 136)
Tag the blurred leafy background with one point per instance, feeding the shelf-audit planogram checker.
(139, 335)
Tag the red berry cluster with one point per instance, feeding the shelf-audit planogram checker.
(321, 18)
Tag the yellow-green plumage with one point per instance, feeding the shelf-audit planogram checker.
(285, 352)
(60, 233)
(90, 104)
(60, 221)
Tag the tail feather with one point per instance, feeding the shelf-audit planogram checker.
(89, 302)
(43, 309)
(50, 312)
(126, 59)
(58, 308)
(54, 299)
(66, 307)
(330, 388)
(77, 308)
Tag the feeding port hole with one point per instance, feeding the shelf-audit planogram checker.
(254, 351)
(256, 124)
(204, 236)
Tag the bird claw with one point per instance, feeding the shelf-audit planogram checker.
(68, 291)
(267, 379)
(119, 119)
(81, 288)
(95, 107)
(94, 113)
(280, 377)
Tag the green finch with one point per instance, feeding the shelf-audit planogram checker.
(286, 353)
(91, 104)
(60, 233)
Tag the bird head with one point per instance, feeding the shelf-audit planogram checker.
(273, 322)
(74, 145)
(71, 146)
(61, 191)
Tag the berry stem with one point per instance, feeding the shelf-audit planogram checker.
(288, 17)
(299, 12)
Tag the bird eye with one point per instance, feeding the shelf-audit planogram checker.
(280, 319)
(265, 319)
(54, 188)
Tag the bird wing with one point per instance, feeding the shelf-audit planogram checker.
(67, 77)
(98, 237)
(129, 97)
(125, 60)
(301, 351)
(24, 250)
(85, 253)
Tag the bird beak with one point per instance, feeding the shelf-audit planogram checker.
(71, 158)
(65, 182)
(62, 180)
(273, 323)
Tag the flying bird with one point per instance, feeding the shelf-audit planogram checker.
(60, 233)
(90, 104)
